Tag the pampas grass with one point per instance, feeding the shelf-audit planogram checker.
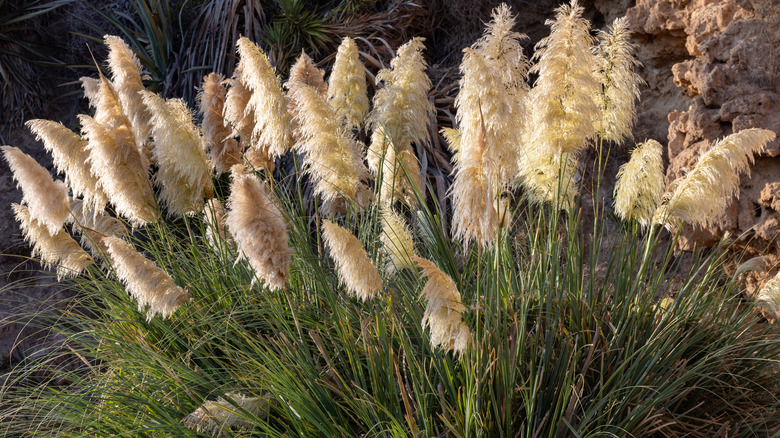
(154, 290)
(216, 418)
(640, 184)
(222, 147)
(347, 90)
(46, 199)
(259, 229)
(355, 269)
(184, 174)
(56, 249)
(397, 242)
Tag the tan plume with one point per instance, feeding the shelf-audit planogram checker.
(704, 193)
(184, 174)
(259, 229)
(236, 112)
(397, 241)
(304, 72)
(272, 130)
(154, 289)
(354, 267)
(619, 91)
(121, 173)
(126, 76)
(444, 309)
(70, 156)
(54, 249)
(217, 234)
(347, 89)
(218, 417)
(46, 198)
(640, 184)
(222, 147)
(93, 226)
(332, 155)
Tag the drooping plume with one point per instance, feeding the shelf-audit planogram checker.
(561, 107)
(616, 99)
(54, 249)
(184, 174)
(259, 229)
(93, 226)
(222, 147)
(397, 241)
(217, 417)
(347, 90)
(121, 173)
(70, 156)
(126, 76)
(154, 289)
(401, 116)
(444, 309)
(703, 194)
(272, 130)
(46, 198)
(640, 184)
(333, 157)
(768, 298)
(354, 267)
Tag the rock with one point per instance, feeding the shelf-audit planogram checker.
(728, 81)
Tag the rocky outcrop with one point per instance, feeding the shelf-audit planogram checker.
(725, 67)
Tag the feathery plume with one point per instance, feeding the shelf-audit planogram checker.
(216, 417)
(397, 241)
(704, 193)
(54, 249)
(93, 226)
(184, 176)
(126, 76)
(91, 88)
(69, 152)
(347, 90)
(272, 131)
(236, 112)
(222, 147)
(562, 107)
(121, 173)
(444, 309)
(452, 136)
(501, 45)
(216, 229)
(154, 289)
(473, 193)
(640, 184)
(768, 298)
(354, 267)
(401, 116)
(333, 156)
(619, 91)
(46, 198)
(304, 72)
(259, 229)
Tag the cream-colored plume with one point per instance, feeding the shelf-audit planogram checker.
(154, 289)
(703, 194)
(768, 298)
(93, 226)
(126, 76)
(109, 113)
(474, 193)
(70, 156)
(121, 173)
(640, 184)
(354, 267)
(46, 198)
(401, 116)
(615, 63)
(259, 229)
(272, 130)
(347, 90)
(216, 418)
(561, 107)
(397, 241)
(222, 147)
(184, 174)
(54, 249)
(217, 234)
(304, 72)
(444, 309)
(333, 157)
